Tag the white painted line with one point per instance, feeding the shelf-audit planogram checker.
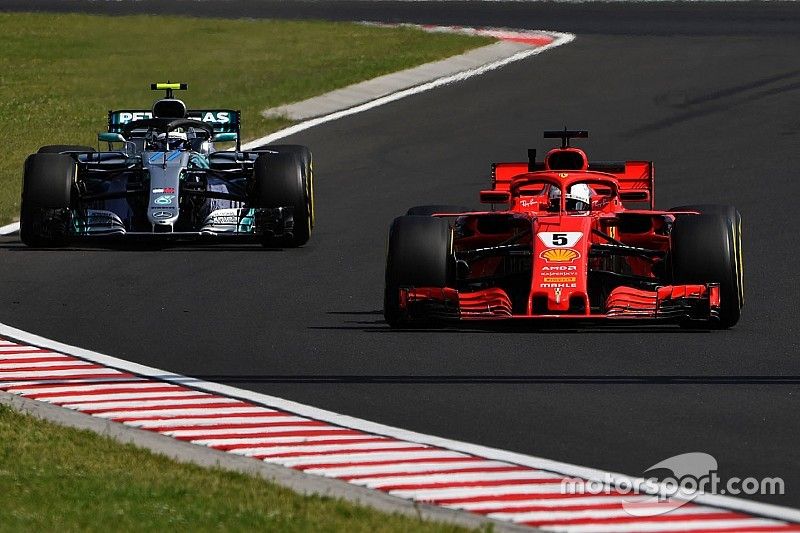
(71, 388)
(491, 503)
(17, 348)
(696, 526)
(510, 41)
(11, 386)
(163, 415)
(385, 481)
(10, 228)
(471, 492)
(558, 40)
(93, 406)
(222, 421)
(34, 356)
(325, 448)
(95, 399)
(282, 440)
(555, 516)
(58, 373)
(287, 424)
(372, 89)
(406, 468)
(45, 364)
(345, 421)
(364, 457)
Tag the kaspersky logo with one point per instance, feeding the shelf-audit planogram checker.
(560, 255)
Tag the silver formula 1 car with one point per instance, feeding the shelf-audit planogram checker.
(162, 177)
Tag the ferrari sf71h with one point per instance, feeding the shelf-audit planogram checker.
(163, 178)
(567, 245)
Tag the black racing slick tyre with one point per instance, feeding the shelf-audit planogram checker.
(278, 182)
(704, 250)
(58, 148)
(46, 198)
(419, 254)
(734, 220)
(303, 154)
(428, 210)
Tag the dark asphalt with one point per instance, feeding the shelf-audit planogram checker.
(708, 92)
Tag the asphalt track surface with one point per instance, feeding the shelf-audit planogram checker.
(714, 101)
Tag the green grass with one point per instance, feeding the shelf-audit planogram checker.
(60, 74)
(60, 479)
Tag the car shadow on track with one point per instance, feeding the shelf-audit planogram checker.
(450, 379)
(379, 325)
(145, 247)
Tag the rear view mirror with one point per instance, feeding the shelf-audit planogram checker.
(224, 137)
(495, 197)
(107, 136)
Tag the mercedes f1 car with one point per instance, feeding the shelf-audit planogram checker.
(162, 177)
(568, 243)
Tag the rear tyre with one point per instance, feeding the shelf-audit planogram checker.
(420, 254)
(428, 210)
(278, 182)
(735, 220)
(46, 194)
(703, 250)
(58, 148)
(303, 155)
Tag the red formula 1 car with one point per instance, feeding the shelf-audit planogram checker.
(567, 245)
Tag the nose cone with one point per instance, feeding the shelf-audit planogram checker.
(166, 170)
(560, 255)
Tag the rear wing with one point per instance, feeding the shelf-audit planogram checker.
(636, 178)
(222, 120)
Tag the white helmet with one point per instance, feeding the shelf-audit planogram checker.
(177, 140)
(579, 197)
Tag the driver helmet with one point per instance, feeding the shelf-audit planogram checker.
(578, 198)
(176, 141)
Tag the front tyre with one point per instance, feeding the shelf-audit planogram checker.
(303, 154)
(429, 210)
(278, 182)
(420, 254)
(704, 249)
(734, 220)
(58, 148)
(46, 198)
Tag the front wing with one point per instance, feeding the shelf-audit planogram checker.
(229, 222)
(672, 303)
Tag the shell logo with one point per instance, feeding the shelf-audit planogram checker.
(560, 255)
